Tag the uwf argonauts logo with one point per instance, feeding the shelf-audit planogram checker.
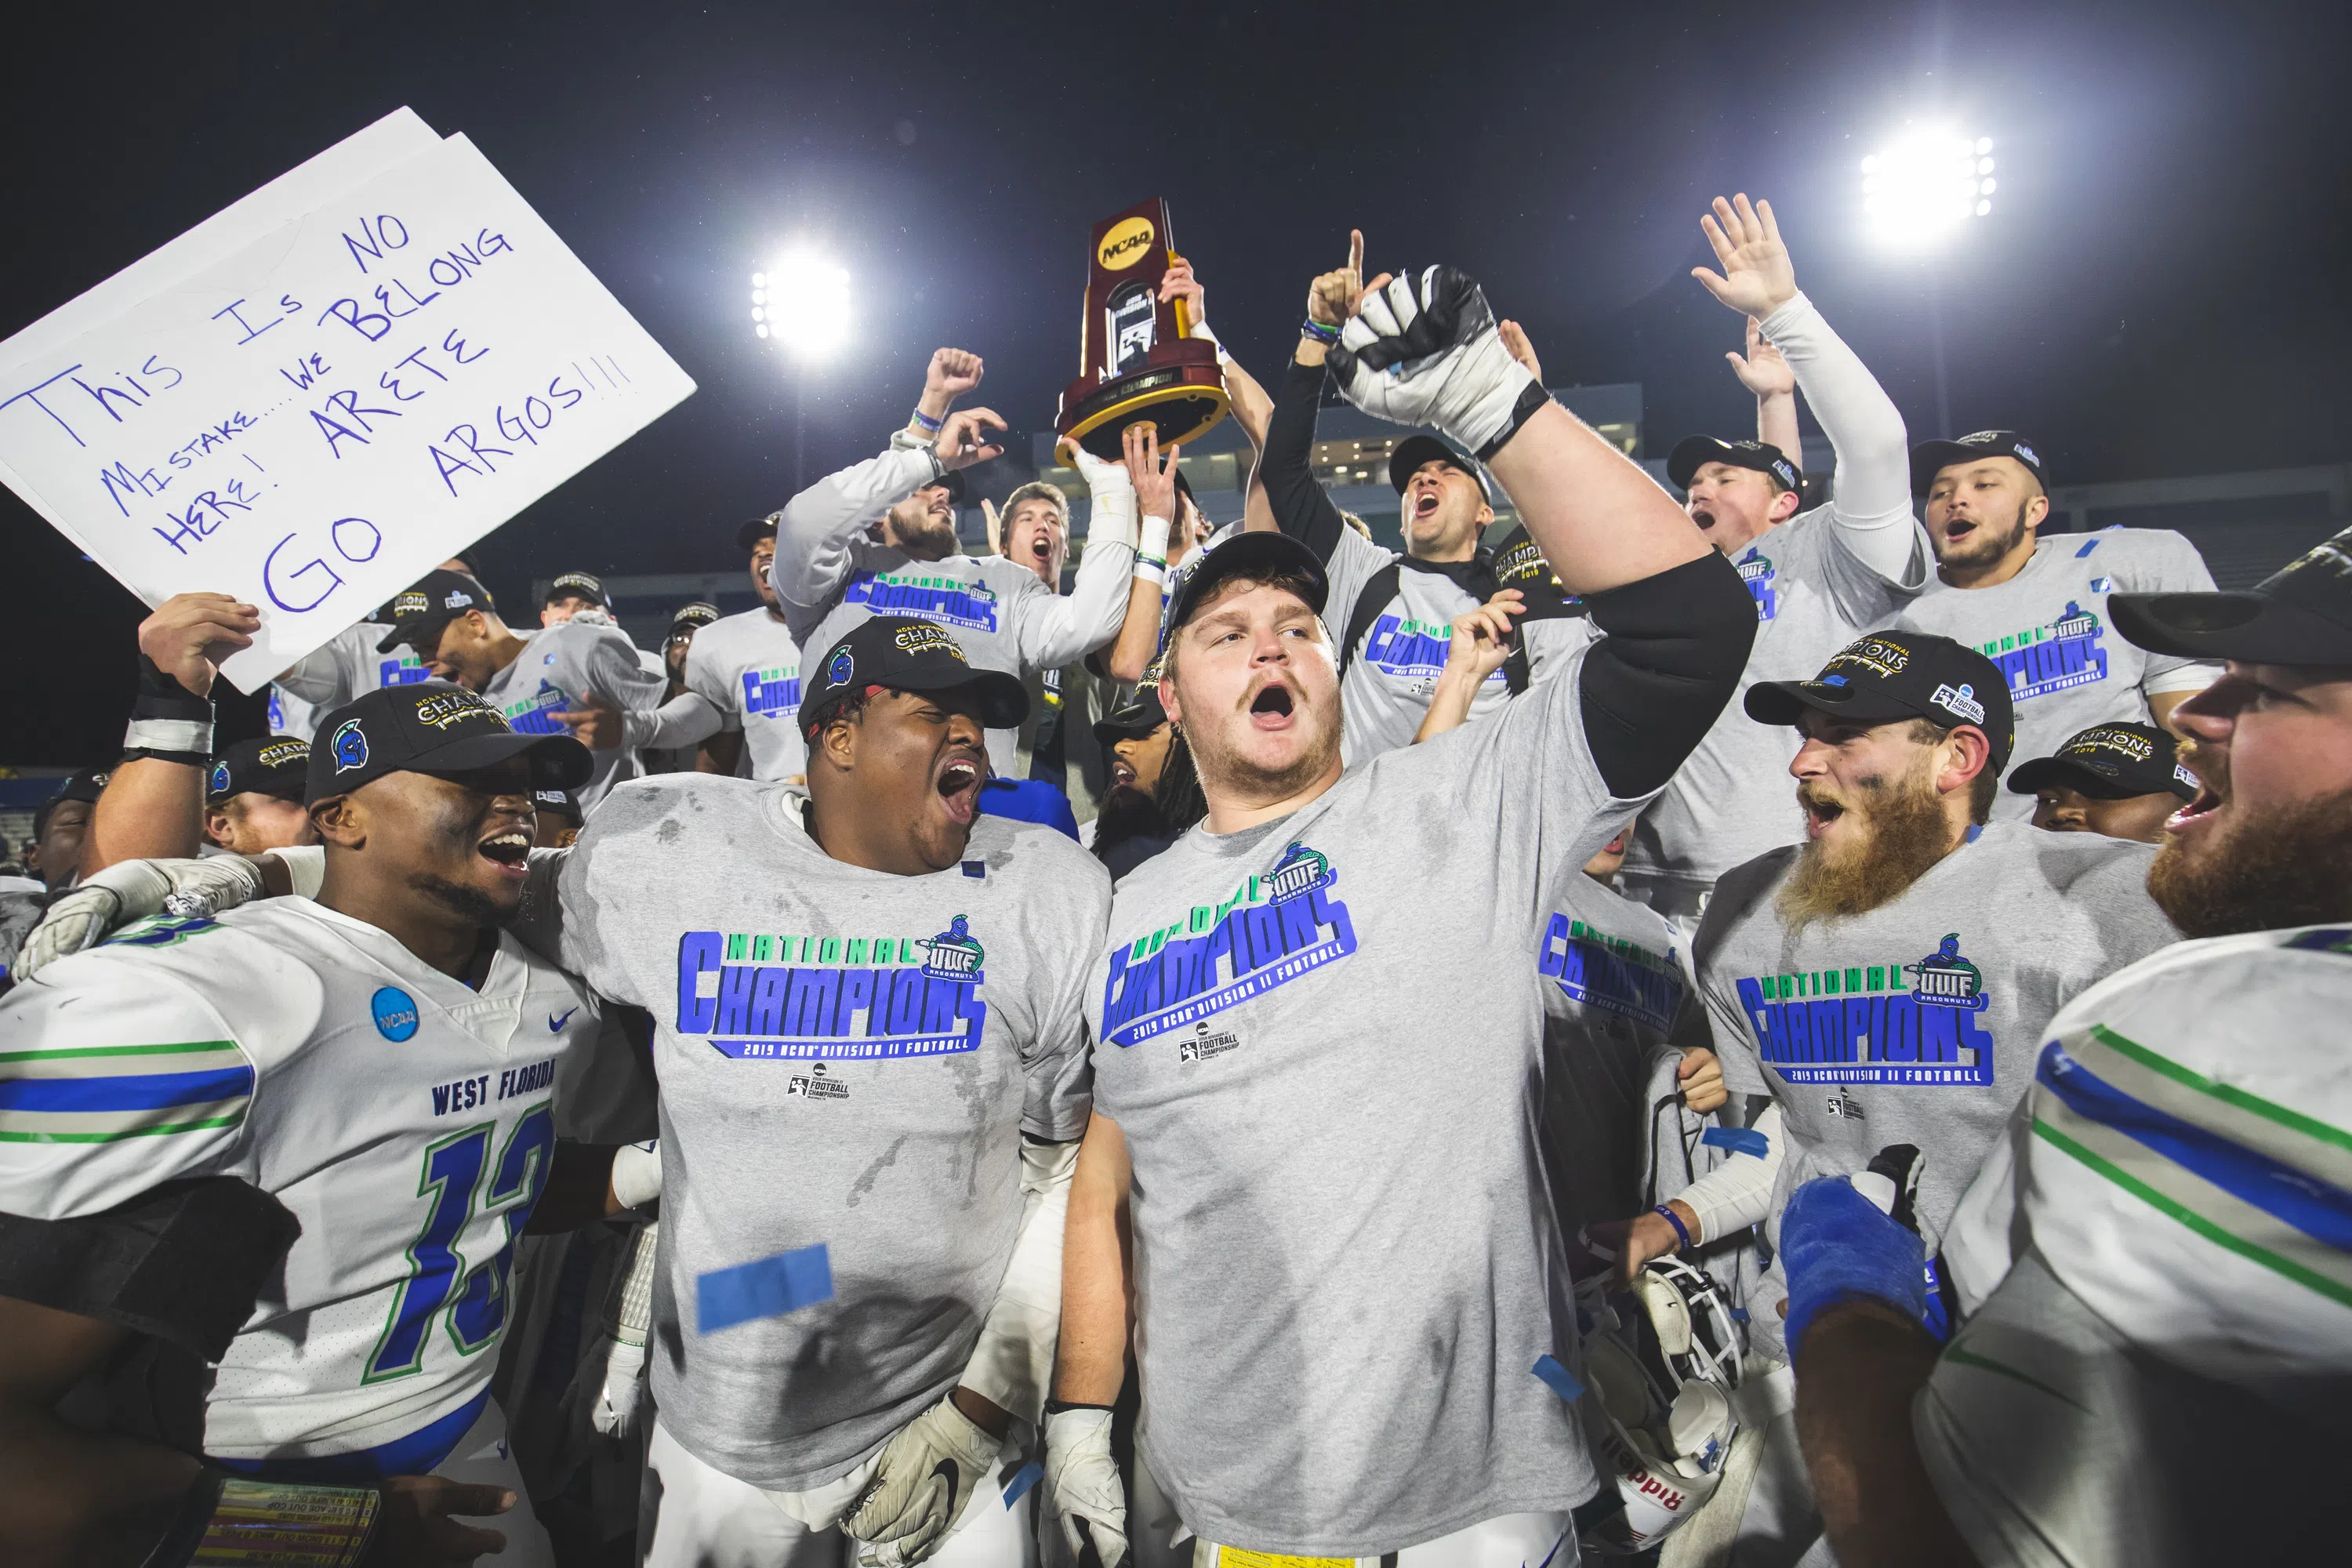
(350, 746)
(1756, 570)
(1300, 872)
(953, 953)
(843, 666)
(1945, 979)
(220, 778)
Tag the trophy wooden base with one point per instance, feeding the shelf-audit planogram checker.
(1177, 388)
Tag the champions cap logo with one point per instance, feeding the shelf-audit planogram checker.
(410, 604)
(1123, 247)
(2092, 741)
(351, 747)
(285, 753)
(444, 709)
(1273, 930)
(1880, 656)
(929, 639)
(761, 996)
(1863, 1025)
(1960, 701)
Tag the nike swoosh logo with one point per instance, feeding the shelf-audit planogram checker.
(555, 1025)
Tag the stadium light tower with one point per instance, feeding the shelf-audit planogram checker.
(1919, 193)
(801, 303)
(1924, 187)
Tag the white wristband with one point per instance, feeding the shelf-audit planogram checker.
(1153, 545)
(306, 868)
(188, 736)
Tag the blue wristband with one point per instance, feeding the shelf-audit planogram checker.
(928, 423)
(1319, 332)
(1676, 1221)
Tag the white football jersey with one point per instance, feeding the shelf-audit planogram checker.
(403, 1118)
(2182, 1322)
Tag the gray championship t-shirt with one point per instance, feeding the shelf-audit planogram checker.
(1618, 998)
(847, 1060)
(1395, 668)
(555, 668)
(345, 667)
(1734, 799)
(2049, 631)
(1324, 1041)
(1918, 1022)
(749, 668)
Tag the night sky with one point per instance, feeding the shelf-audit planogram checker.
(2160, 290)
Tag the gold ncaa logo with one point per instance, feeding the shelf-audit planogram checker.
(1123, 247)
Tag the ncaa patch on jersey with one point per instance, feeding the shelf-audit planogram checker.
(395, 1013)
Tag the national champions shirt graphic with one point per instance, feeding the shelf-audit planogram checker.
(404, 671)
(1756, 570)
(1409, 647)
(1912, 1023)
(771, 693)
(949, 601)
(1273, 930)
(760, 996)
(1611, 974)
(535, 714)
(2070, 652)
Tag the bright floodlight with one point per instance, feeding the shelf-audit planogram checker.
(802, 303)
(1925, 184)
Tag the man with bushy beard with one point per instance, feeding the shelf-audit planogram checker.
(1889, 979)
(2153, 1267)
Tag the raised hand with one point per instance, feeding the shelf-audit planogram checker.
(994, 524)
(1482, 637)
(951, 374)
(1515, 337)
(1763, 372)
(190, 634)
(1155, 488)
(965, 438)
(1178, 283)
(1756, 277)
(1334, 297)
(595, 723)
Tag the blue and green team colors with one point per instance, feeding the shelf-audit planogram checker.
(759, 995)
(2070, 652)
(2249, 1175)
(1273, 930)
(948, 601)
(772, 693)
(1757, 570)
(535, 714)
(1898, 1023)
(1403, 645)
(1610, 972)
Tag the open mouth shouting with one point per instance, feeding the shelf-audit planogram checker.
(958, 784)
(2213, 792)
(1272, 708)
(1958, 529)
(1122, 772)
(1703, 516)
(508, 849)
(1424, 503)
(1820, 812)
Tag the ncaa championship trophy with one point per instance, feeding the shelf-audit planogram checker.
(1136, 363)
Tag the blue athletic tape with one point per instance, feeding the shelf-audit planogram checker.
(1738, 1140)
(1024, 1478)
(767, 1289)
(1558, 1378)
(1739, 1314)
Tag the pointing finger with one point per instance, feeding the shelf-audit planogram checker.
(1356, 252)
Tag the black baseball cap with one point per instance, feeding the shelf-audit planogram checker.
(559, 803)
(1247, 555)
(1887, 676)
(758, 529)
(952, 482)
(695, 615)
(85, 787)
(1407, 457)
(899, 653)
(1929, 459)
(274, 764)
(1137, 717)
(577, 585)
(2110, 762)
(1520, 562)
(439, 597)
(2300, 613)
(1694, 452)
(431, 727)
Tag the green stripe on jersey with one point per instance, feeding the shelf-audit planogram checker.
(2228, 1094)
(65, 1051)
(231, 1120)
(2285, 1268)
(1958, 1355)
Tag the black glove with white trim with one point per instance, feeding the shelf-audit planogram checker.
(1425, 350)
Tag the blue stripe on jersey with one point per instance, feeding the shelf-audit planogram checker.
(415, 1455)
(2316, 1208)
(142, 1091)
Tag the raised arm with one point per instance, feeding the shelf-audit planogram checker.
(1871, 502)
(1300, 506)
(1251, 405)
(1766, 373)
(153, 804)
(1054, 629)
(1152, 494)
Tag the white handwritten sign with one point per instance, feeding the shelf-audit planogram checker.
(311, 413)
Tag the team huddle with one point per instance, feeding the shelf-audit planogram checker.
(1747, 1030)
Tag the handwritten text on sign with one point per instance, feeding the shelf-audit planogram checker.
(315, 421)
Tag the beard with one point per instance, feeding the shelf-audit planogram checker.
(1906, 834)
(2292, 866)
(1224, 770)
(471, 905)
(1985, 546)
(913, 530)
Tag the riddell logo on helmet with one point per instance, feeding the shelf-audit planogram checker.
(1639, 1476)
(1123, 247)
